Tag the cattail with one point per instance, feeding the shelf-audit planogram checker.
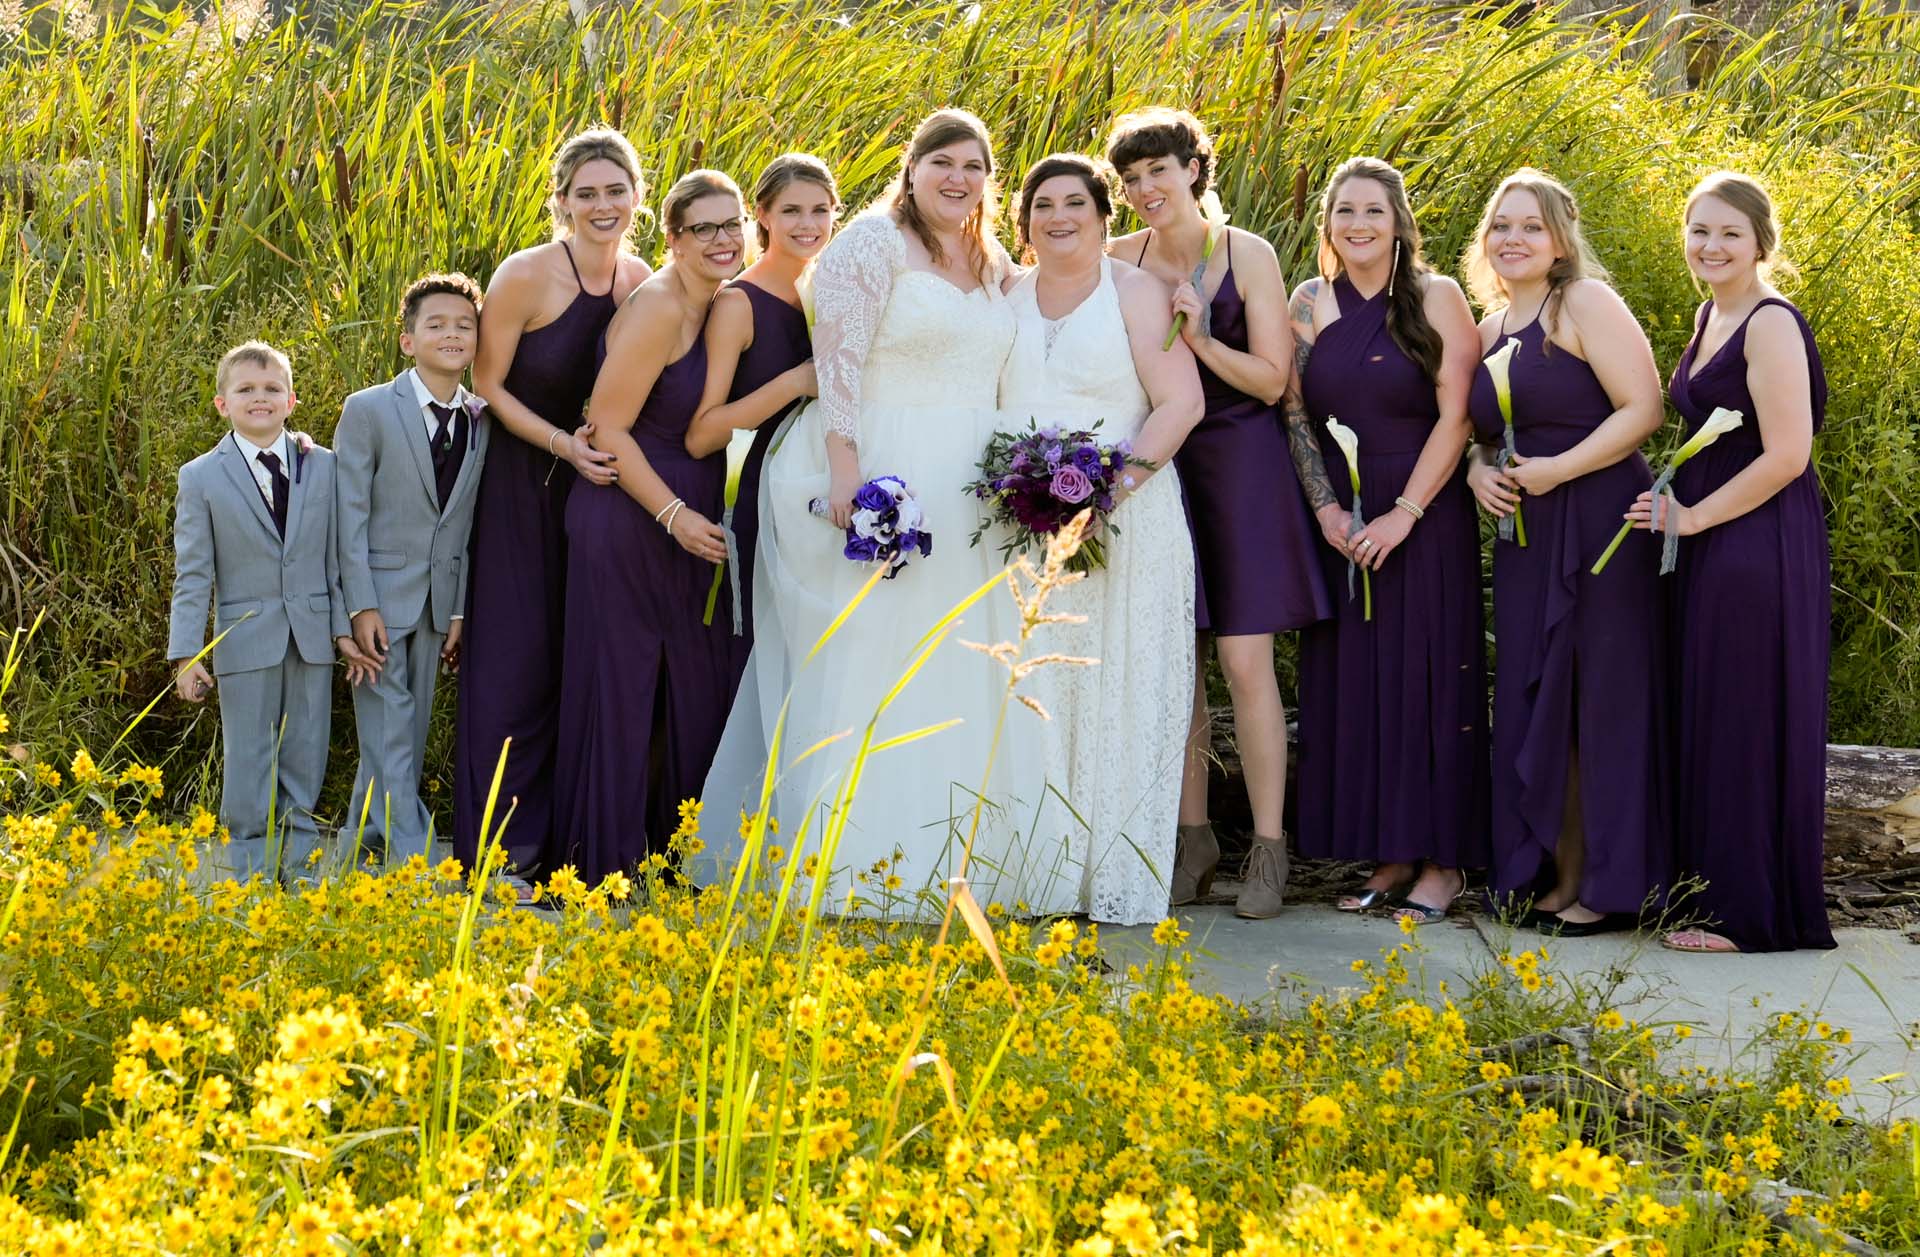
(1278, 43)
(699, 149)
(1300, 193)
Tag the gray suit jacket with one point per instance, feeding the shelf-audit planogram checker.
(229, 558)
(399, 552)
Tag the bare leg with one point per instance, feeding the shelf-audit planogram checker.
(1193, 775)
(1259, 725)
(1570, 856)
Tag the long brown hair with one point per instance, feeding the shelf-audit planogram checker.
(790, 168)
(937, 131)
(1406, 287)
(1561, 214)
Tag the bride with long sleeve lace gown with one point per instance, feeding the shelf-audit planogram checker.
(908, 360)
(1086, 352)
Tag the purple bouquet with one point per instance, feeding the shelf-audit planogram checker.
(887, 526)
(1038, 480)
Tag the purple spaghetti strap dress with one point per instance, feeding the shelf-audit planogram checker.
(1579, 664)
(1393, 711)
(516, 595)
(1255, 566)
(1750, 646)
(780, 342)
(646, 689)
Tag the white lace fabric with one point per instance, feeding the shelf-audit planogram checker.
(853, 281)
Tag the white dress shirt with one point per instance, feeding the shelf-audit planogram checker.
(261, 476)
(427, 400)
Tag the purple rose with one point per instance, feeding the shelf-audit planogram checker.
(1071, 485)
(1087, 459)
(872, 497)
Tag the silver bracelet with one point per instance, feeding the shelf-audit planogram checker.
(1410, 507)
(677, 504)
(557, 434)
(663, 510)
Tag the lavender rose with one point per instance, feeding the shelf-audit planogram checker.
(1071, 485)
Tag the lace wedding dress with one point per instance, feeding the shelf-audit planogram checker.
(1119, 727)
(908, 366)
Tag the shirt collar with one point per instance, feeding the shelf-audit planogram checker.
(426, 398)
(252, 452)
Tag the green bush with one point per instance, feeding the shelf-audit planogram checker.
(168, 187)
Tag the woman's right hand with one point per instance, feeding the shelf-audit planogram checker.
(698, 535)
(805, 382)
(840, 491)
(1335, 523)
(595, 466)
(1494, 489)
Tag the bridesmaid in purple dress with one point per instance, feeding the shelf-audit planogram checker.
(645, 692)
(1750, 598)
(759, 351)
(547, 308)
(1393, 710)
(1257, 567)
(1580, 814)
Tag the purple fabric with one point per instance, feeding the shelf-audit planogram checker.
(1393, 712)
(516, 596)
(1579, 663)
(647, 685)
(449, 449)
(1750, 652)
(780, 342)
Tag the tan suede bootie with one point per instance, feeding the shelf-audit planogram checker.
(1265, 876)
(1196, 855)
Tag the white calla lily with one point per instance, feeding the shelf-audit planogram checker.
(1349, 442)
(1718, 424)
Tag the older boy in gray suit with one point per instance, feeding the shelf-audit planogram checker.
(253, 539)
(410, 453)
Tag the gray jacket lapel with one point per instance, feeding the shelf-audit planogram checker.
(296, 483)
(237, 470)
(406, 411)
(470, 464)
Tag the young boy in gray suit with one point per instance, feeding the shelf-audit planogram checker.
(253, 542)
(409, 467)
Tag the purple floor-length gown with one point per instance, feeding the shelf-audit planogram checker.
(1579, 659)
(1255, 566)
(1750, 643)
(646, 689)
(780, 342)
(516, 595)
(1393, 711)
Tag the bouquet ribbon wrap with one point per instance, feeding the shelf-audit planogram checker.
(1505, 527)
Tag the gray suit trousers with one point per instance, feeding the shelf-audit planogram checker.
(392, 715)
(272, 778)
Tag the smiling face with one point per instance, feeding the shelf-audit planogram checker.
(1362, 224)
(600, 201)
(800, 219)
(1519, 244)
(1160, 189)
(444, 334)
(948, 184)
(256, 399)
(1721, 244)
(1064, 221)
(716, 216)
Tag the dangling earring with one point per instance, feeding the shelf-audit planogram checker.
(1396, 265)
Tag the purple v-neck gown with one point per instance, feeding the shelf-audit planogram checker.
(1750, 648)
(1579, 661)
(1393, 711)
(780, 342)
(646, 688)
(516, 596)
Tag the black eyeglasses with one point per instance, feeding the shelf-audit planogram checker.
(704, 232)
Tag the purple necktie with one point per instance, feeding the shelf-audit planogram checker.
(449, 448)
(271, 461)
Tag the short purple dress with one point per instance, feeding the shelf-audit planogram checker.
(1256, 569)
(1579, 660)
(1750, 650)
(780, 342)
(1392, 764)
(646, 689)
(516, 595)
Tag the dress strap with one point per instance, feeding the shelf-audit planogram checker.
(580, 283)
(1142, 259)
(573, 266)
(1229, 248)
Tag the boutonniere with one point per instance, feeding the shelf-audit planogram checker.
(476, 406)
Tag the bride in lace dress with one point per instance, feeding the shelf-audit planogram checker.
(911, 332)
(1088, 349)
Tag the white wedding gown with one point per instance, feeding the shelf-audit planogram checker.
(908, 368)
(1119, 727)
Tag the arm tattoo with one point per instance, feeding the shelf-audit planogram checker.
(1301, 445)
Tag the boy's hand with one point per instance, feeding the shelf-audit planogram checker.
(450, 649)
(370, 634)
(360, 669)
(194, 683)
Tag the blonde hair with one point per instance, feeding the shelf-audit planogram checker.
(1744, 195)
(786, 169)
(689, 188)
(254, 353)
(1562, 216)
(935, 132)
(595, 144)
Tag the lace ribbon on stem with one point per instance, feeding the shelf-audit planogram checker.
(1354, 525)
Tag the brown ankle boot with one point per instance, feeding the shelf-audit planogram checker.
(1265, 876)
(1196, 854)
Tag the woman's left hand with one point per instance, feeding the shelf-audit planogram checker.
(1380, 538)
(1643, 514)
(1537, 475)
(1186, 301)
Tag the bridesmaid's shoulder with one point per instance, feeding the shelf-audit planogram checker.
(1774, 330)
(651, 307)
(630, 274)
(1589, 295)
(1129, 278)
(1127, 247)
(534, 263)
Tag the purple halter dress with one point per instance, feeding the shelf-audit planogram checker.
(780, 342)
(1750, 649)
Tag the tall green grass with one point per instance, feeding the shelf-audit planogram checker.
(167, 188)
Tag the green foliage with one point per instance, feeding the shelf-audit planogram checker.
(168, 187)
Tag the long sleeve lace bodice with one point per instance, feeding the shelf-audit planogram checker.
(852, 286)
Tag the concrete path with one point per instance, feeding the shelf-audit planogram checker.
(1869, 985)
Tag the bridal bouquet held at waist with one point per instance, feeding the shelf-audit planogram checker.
(1035, 482)
(887, 527)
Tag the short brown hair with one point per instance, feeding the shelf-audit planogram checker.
(254, 353)
(1162, 132)
(1093, 174)
(453, 283)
